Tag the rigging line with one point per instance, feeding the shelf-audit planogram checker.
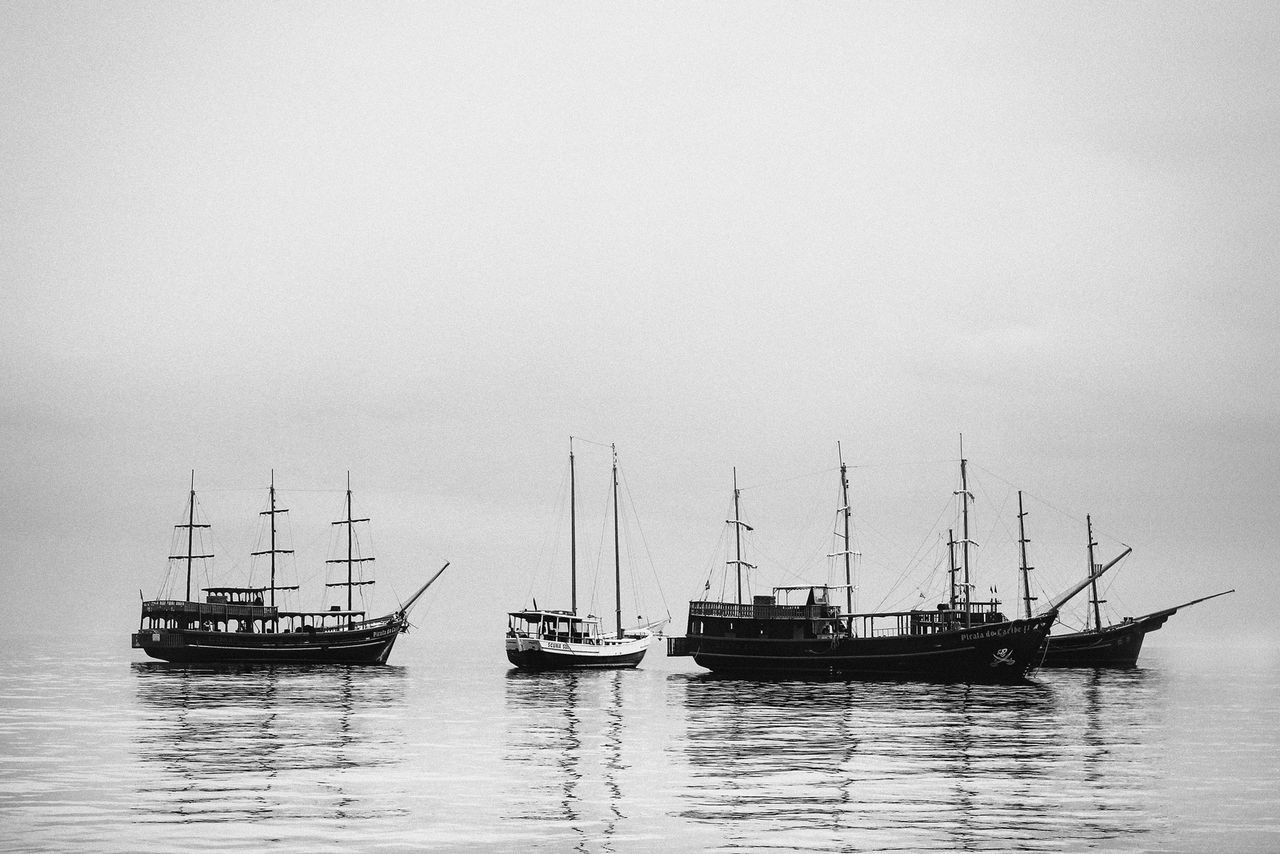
(787, 479)
(627, 548)
(653, 568)
(901, 464)
(808, 548)
(639, 601)
(930, 580)
(595, 577)
(719, 550)
(216, 547)
(244, 490)
(1072, 515)
(591, 442)
(912, 561)
(1097, 531)
(998, 517)
(543, 566)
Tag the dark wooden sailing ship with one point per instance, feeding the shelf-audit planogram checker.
(962, 639)
(242, 625)
(1097, 645)
(539, 639)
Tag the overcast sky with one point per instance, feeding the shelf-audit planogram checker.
(428, 242)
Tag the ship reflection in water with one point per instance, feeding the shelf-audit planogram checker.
(1169, 756)
(566, 750)
(918, 766)
(232, 745)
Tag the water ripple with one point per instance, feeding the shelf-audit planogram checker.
(100, 755)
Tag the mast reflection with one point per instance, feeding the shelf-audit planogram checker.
(565, 741)
(232, 744)
(866, 766)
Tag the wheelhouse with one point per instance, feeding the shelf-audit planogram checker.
(554, 626)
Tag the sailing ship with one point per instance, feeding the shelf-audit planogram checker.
(540, 639)
(962, 639)
(1114, 645)
(241, 625)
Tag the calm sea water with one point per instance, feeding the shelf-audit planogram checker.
(451, 750)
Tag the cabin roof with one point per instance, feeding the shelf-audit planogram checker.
(818, 587)
(536, 616)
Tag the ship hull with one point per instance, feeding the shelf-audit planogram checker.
(1114, 646)
(354, 646)
(537, 654)
(998, 652)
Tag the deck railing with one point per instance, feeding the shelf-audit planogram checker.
(217, 614)
(207, 610)
(880, 624)
(762, 612)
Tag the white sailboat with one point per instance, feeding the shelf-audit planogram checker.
(540, 639)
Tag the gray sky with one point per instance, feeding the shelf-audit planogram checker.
(428, 242)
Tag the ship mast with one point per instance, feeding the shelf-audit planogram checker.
(617, 560)
(952, 569)
(273, 551)
(965, 498)
(573, 536)
(350, 560)
(738, 524)
(1093, 580)
(1027, 598)
(190, 526)
(848, 553)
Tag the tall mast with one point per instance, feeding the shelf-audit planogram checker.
(617, 560)
(191, 521)
(952, 569)
(350, 560)
(965, 496)
(573, 535)
(1027, 598)
(1093, 581)
(349, 541)
(273, 537)
(190, 526)
(737, 535)
(273, 551)
(738, 525)
(848, 554)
